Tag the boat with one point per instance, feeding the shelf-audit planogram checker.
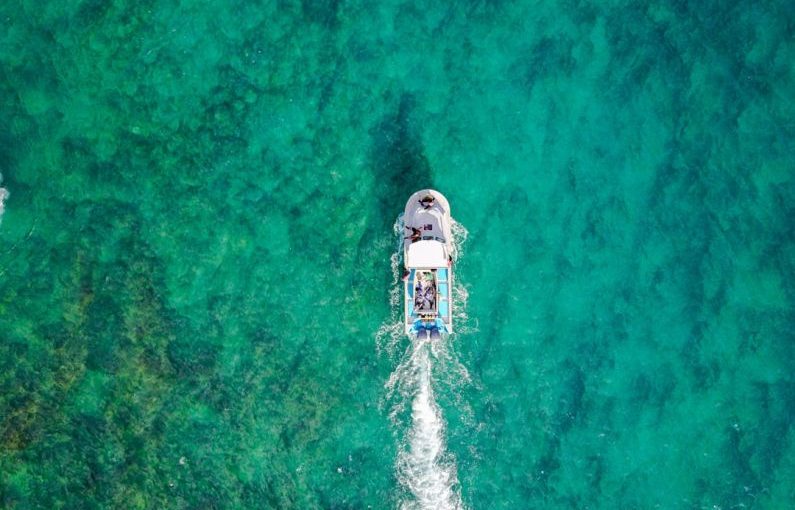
(428, 264)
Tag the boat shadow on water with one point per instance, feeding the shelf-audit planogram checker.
(398, 161)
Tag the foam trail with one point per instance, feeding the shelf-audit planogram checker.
(423, 466)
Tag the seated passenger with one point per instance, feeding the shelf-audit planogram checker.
(420, 304)
(427, 201)
(429, 292)
(416, 234)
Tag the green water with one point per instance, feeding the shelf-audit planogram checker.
(195, 251)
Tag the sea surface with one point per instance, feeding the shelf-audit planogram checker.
(199, 287)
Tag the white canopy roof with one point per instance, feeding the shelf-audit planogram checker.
(426, 254)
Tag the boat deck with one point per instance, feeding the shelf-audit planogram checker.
(428, 296)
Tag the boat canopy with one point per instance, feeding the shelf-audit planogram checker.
(426, 253)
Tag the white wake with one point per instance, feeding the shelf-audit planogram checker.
(3, 196)
(424, 467)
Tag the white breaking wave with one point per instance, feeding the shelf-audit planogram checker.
(424, 467)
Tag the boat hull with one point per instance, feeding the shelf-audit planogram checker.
(427, 257)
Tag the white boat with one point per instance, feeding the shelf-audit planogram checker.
(428, 261)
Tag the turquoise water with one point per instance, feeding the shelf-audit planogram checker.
(196, 239)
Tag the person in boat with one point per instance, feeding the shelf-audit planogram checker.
(429, 298)
(429, 293)
(424, 293)
(421, 288)
(416, 234)
(427, 201)
(419, 303)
